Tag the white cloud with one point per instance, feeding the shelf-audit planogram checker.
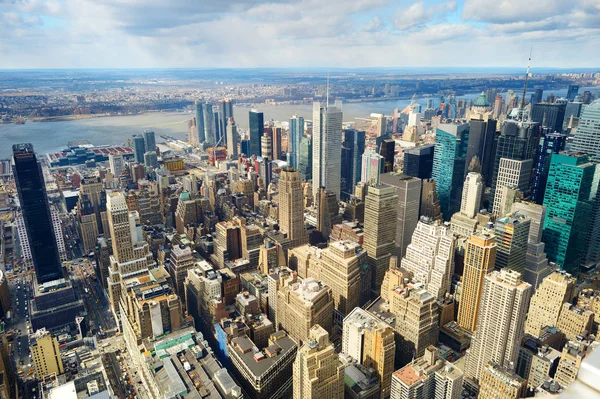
(418, 14)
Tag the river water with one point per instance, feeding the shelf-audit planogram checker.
(53, 136)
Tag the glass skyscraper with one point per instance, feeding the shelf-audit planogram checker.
(449, 165)
(353, 147)
(418, 161)
(150, 141)
(296, 133)
(550, 143)
(305, 158)
(200, 122)
(518, 140)
(33, 199)
(570, 227)
(587, 138)
(482, 133)
(139, 148)
(551, 115)
(257, 129)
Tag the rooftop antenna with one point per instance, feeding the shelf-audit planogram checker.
(526, 79)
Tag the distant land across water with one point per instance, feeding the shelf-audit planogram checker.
(53, 136)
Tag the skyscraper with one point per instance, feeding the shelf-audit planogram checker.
(571, 200)
(352, 149)
(257, 129)
(225, 113)
(305, 154)
(498, 382)
(449, 165)
(480, 257)
(327, 147)
(502, 311)
(482, 132)
(380, 214)
(291, 207)
(33, 199)
(418, 161)
(149, 141)
(232, 139)
(572, 92)
(372, 167)
(318, 373)
(116, 164)
(550, 143)
(210, 134)
(587, 139)
(430, 257)
(547, 302)
(408, 190)
(296, 134)
(512, 234)
(549, 115)
(200, 134)
(139, 148)
(512, 173)
(518, 140)
(472, 194)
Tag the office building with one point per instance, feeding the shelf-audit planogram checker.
(480, 258)
(550, 115)
(418, 161)
(210, 133)
(45, 354)
(181, 261)
(370, 342)
(550, 143)
(449, 165)
(574, 321)
(372, 166)
(586, 139)
(430, 204)
(500, 383)
(482, 133)
(387, 149)
(543, 366)
(233, 139)
(139, 148)
(430, 257)
(291, 207)
(318, 372)
(266, 373)
(266, 144)
(225, 117)
(116, 164)
(296, 133)
(571, 210)
(87, 225)
(151, 159)
(327, 144)
(256, 131)
(547, 302)
(380, 210)
(513, 174)
(570, 363)
(37, 217)
(305, 158)
(500, 323)
(428, 377)
(472, 194)
(518, 140)
(149, 141)
(200, 133)
(353, 147)
(572, 92)
(512, 235)
(408, 191)
(301, 305)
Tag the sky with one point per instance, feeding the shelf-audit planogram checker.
(298, 33)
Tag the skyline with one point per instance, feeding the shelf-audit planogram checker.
(253, 34)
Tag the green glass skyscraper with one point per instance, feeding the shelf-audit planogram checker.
(570, 230)
(449, 165)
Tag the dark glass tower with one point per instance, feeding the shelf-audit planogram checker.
(257, 129)
(418, 161)
(150, 141)
(36, 213)
(139, 148)
(549, 115)
(481, 144)
(353, 147)
(200, 122)
(387, 151)
(518, 140)
(305, 158)
(550, 143)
